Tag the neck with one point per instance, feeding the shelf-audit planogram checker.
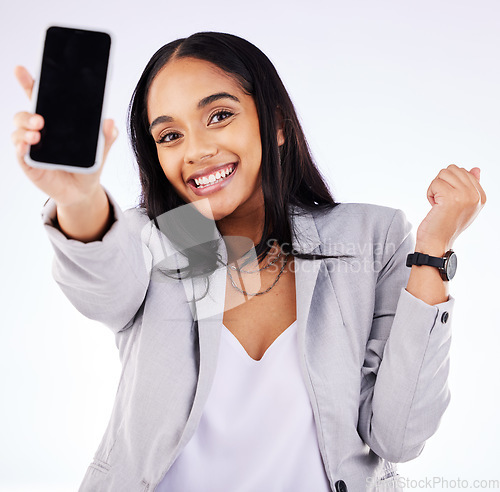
(242, 232)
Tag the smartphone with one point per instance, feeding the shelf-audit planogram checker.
(70, 92)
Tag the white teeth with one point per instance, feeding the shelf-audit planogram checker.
(212, 178)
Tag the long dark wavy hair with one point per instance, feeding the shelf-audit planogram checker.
(289, 174)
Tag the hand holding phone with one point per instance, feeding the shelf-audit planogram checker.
(64, 187)
(70, 178)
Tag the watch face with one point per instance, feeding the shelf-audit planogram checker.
(451, 266)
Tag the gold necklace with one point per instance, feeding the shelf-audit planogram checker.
(259, 269)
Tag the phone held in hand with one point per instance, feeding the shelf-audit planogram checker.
(70, 92)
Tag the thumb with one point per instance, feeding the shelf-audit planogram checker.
(476, 172)
(110, 135)
(25, 79)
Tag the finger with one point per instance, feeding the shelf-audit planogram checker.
(21, 149)
(459, 171)
(456, 175)
(474, 175)
(437, 190)
(453, 177)
(471, 184)
(28, 121)
(110, 135)
(25, 136)
(31, 172)
(476, 172)
(25, 79)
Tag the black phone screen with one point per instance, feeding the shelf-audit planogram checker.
(70, 96)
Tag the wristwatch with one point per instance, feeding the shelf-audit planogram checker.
(447, 265)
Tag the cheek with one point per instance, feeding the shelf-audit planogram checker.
(255, 154)
(246, 142)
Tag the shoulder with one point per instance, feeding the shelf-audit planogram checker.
(362, 222)
(357, 215)
(137, 219)
(361, 211)
(155, 241)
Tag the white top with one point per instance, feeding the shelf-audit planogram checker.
(257, 430)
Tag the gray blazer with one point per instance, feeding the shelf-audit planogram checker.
(374, 357)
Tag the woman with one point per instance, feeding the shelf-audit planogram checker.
(288, 347)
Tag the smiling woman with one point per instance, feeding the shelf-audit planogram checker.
(203, 122)
(300, 367)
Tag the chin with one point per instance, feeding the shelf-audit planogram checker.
(221, 215)
(212, 212)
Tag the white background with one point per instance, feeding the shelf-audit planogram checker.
(389, 92)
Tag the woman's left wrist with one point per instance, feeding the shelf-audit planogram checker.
(432, 248)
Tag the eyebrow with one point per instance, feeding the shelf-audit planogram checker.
(202, 104)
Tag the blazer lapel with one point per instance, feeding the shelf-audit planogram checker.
(207, 313)
(305, 239)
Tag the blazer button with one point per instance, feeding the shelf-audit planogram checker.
(340, 486)
(444, 317)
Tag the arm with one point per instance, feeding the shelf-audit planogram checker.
(404, 390)
(87, 220)
(100, 262)
(107, 279)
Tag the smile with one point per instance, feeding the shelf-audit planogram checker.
(213, 182)
(211, 179)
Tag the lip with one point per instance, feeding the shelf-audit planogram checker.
(207, 190)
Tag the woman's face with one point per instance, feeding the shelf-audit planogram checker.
(204, 125)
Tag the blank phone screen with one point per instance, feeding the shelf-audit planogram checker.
(70, 96)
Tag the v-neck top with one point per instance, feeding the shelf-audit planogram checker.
(257, 429)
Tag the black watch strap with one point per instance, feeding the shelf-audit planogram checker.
(423, 259)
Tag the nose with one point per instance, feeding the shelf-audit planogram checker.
(199, 145)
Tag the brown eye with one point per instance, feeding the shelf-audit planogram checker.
(220, 116)
(168, 137)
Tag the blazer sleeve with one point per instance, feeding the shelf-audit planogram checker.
(105, 280)
(404, 390)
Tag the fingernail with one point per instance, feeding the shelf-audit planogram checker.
(115, 132)
(34, 121)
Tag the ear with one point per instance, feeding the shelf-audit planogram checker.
(280, 134)
(281, 137)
